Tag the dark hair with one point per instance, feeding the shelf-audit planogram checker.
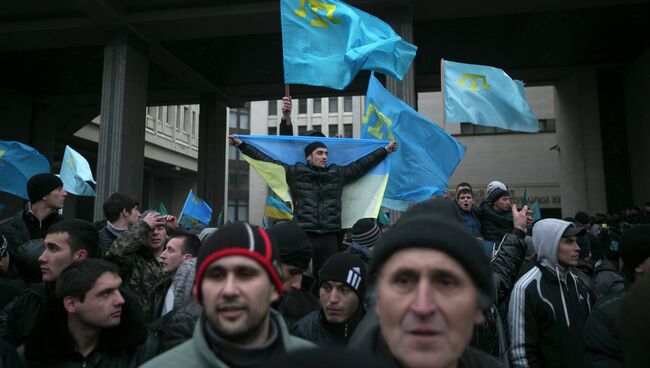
(78, 278)
(81, 233)
(191, 242)
(464, 191)
(117, 202)
(464, 184)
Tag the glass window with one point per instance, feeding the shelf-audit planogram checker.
(163, 115)
(466, 128)
(233, 153)
(302, 106)
(195, 126)
(273, 108)
(273, 131)
(171, 114)
(347, 130)
(334, 104)
(187, 119)
(232, 118)
(243, 119)
(347, 104)
(318, 104)
(302, 129)
(333, 130)
(242, 212)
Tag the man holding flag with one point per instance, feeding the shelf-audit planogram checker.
(316, 190)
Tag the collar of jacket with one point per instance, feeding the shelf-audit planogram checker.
(343, 330)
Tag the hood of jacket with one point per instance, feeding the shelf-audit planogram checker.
(546, 239)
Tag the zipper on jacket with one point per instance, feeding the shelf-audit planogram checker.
(345, 332)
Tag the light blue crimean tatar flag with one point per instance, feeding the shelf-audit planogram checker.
(427, 154)
(75, 173)
(484, 95)
(327, 42)
(195, 209)
(361, 198)
(18, 163)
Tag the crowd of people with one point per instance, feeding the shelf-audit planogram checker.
(451, 284)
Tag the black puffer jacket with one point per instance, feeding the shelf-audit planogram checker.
(316, 193)
(177, 326)
(494, 225)
(24, 226)
(20, 316)
(608, 283)
(315, 328)
(127, 345)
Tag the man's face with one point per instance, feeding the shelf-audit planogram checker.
(427, 306)
(338, 300)
(157, 237)
(132, 216)
(102, 305)
(502, 204)
(318, 158)
(237, 295)
(173, 255)
(55, 198)
(466, 201)
(4, 264)
(292, 277)
(57, 256)
(568, 251)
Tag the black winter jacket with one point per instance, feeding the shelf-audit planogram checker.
(608, 283)
(316, 193)
(177, 326)
(22, 315)
(127, 345)
(24, 226)
(315, 328)
(494, 225)
(603, 349)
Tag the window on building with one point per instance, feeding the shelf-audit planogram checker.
(545, 125)
(316, 127)
(333, 104)
(162, 114)
(318, 105)
(302, 129)
(232, 118)
(273, 108)
(333, 130)
(195, 125)
(347, 104)
(233, 153)
(243, 119)
(302, 106)
(171, 117)
(237, 210)
(187, 119)
(273, 131)
(347, 131)
(239, 118)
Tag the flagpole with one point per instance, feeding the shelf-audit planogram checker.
(442, 92)
(287, 93)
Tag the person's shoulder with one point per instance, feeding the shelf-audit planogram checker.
(185, 354)
(293, 343)
(474, 358)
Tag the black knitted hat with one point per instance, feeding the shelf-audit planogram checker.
(346, 268)
(41, 185)
(434, 225)
(312, 146)
(365, 232)
(635, 246)
(243, 239)
(295, 247)
(498, 193)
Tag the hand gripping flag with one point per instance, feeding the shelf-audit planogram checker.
(18, 163)
(427, 154)
(327, 42)
(361, 198)
(195, 208)
(75, 172)
(484, 95)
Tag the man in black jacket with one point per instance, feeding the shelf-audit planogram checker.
(121, 211)
(90, 323)
(342, 291)
(316, 190)
(494, 212)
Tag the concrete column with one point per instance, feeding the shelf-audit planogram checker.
(213, 163)
(120, 160)
(582, 178)
(637, 114)
(401, 19)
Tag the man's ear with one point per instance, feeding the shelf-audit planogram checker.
(70, 304)
(79, 255)
(187, 256)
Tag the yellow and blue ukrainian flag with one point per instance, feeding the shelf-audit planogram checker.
(75, 173)
(361, 198)
(427, 154)
(277, 210)
(484, 95)
(327, 42)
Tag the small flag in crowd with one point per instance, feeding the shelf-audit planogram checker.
(277, 210)
(537, 213)
(427, 154)
(195, 208)
(484, 95)
(162, 209)
(327, 42)
(75, 173)
(18, 163)
(361, 198)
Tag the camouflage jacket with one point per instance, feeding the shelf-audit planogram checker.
(139, 269)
